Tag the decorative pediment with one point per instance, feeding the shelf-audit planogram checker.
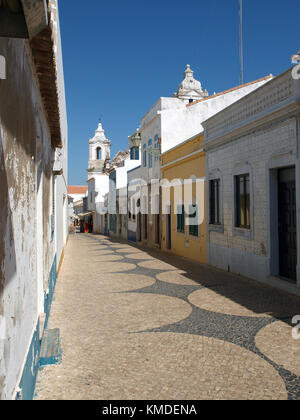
(100, 136)
(120, 157)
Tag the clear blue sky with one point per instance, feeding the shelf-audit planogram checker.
(120, 56)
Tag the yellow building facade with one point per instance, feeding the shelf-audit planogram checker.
(185, 163)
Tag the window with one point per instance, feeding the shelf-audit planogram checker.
(180, 219)
(145, 156)
(242, 206)
(134, 153)
(145, 225)
(193, 228)
(99, 153)
(214, 196)
(150, 154)
(157, 148)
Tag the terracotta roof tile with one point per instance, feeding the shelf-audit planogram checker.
(77, 190)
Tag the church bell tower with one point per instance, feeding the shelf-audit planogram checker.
(99, 160)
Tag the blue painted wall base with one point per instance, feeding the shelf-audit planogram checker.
(51, 352)
(32, 364)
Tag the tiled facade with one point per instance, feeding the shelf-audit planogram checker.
(257, 136)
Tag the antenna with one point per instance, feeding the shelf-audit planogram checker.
(241, 44)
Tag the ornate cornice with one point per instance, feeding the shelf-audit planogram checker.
(278, 99)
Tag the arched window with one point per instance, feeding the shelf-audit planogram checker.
(99, 153)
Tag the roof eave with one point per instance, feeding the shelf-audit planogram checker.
(42, 47)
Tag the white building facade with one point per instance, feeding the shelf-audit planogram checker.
(123, 163)
(170, 122)
(253, 171)
(98, 180)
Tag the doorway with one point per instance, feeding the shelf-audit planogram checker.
(139, 227)
(145, 227)
(157, 229)
(169, 229)
(287, 223)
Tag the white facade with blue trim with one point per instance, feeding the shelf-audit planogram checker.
(33, 214)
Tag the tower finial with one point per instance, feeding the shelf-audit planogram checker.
(188, 71)
(190, 89)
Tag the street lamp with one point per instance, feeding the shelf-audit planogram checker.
(136, 139)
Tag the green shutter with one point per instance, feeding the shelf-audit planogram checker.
(194, 229)
(180, 219)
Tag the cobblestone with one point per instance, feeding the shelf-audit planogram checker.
(142, 324)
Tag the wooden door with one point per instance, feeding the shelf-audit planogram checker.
(287, 223)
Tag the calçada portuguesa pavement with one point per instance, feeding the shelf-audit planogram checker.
(139, 324)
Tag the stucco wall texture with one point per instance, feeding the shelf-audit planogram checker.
(179, 164)
(22, 125)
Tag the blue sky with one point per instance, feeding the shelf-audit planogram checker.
(120, 56)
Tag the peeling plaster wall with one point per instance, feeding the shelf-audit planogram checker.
(62, 225)
(22, 122)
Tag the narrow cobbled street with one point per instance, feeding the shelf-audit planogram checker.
(139, 324)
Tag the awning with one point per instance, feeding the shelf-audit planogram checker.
(90, 213)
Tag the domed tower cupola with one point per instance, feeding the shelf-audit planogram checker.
(99, 145)
(190, 89)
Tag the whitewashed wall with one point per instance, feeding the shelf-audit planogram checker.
(181, 124)
(62, 225)
(26, 161)
(28, 246)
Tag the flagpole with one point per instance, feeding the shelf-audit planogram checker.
(241, 44)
